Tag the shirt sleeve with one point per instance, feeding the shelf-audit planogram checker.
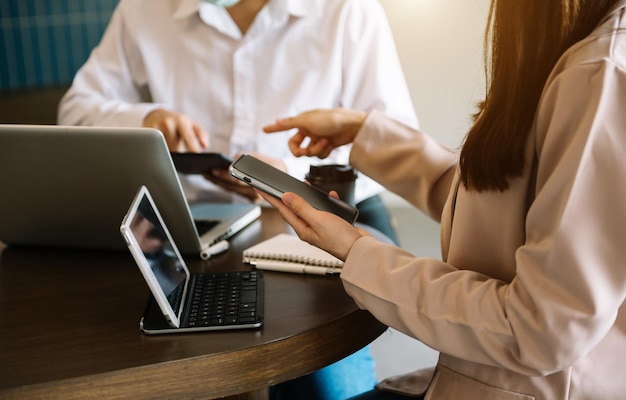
(372, 79)
(569, 282)
(406, 161)
(372, 73)
(110, 88)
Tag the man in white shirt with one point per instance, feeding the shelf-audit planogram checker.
(211, 74)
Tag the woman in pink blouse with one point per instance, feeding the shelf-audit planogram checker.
(527, 301)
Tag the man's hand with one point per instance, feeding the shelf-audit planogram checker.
(181, 132)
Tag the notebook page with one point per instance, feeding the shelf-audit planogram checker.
(286, 247)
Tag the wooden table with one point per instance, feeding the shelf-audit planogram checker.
(69, 328)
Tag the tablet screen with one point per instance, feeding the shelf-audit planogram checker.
(157, 257)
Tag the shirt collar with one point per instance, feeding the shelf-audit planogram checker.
(300, 8)
(296, 8)
(186, 8)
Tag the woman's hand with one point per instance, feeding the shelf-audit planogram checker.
(319, 228)
(181, 132)
(326, 129)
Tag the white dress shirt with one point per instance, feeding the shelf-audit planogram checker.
(189, 56)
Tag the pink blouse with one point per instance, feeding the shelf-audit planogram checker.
(528, 299)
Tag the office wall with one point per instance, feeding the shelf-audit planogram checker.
(440, 47)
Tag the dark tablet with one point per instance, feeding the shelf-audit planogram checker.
(199, 163)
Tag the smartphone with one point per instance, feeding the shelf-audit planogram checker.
(275, 182)
(199, 163)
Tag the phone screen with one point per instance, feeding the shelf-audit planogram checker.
(199, 163)
(276, 182)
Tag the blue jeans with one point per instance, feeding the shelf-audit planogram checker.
(346, 378)
(376, 394)
(373, 212)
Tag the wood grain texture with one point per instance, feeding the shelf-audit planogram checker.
(69, 328)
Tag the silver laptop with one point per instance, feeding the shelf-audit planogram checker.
(70, 186)
(182, 301)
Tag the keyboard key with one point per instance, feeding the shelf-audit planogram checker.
(223, 298)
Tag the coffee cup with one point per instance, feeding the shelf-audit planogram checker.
(338, 177)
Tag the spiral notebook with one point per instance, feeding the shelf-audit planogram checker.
(290, 249)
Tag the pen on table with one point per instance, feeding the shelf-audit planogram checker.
(215, 249)
(296, 268)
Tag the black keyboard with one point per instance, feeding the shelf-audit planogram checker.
(224, 299)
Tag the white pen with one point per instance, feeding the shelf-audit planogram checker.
(217, 248)
(296, 268)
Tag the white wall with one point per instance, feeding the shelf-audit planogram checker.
(440, 46)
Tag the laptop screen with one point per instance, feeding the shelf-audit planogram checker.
(157, 249)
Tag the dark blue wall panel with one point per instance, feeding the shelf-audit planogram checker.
(44, 42)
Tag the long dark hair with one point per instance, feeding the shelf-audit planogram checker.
(523, 41)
